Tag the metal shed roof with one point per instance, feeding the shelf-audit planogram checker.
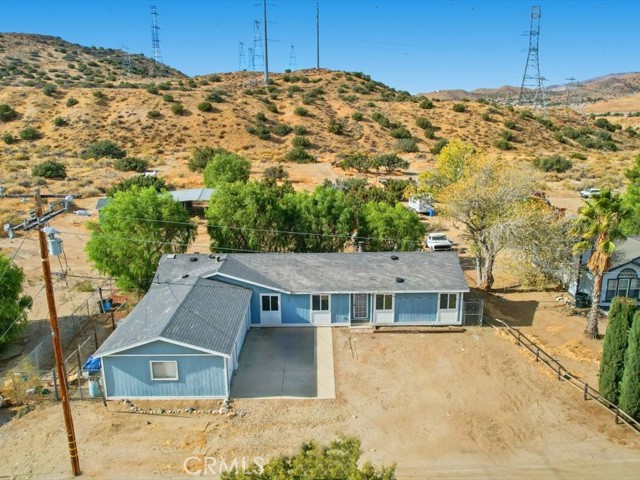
(192, 194)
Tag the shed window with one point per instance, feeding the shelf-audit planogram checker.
(448, 301)
(626, 284)
(320, 303)
(384, 302)
(270, 303)
(164, 370)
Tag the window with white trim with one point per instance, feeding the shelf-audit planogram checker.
(384, 302)
(448, 301)
(626, 284)
(270, 303)
(320, 303)
(164, 370)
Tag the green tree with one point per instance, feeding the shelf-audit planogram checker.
(359, 161)
(49, 169)
(387, 228)
(453, 160)
(203, 155)
(248, 217)
(136, 228)
(131, 164)
(630, 384)
(226, 168)
(272, 175)
(614, 346)
(103, 148)
(631, 200)
(598, 226)
(29, 134)
(338, 461)
(389, 162)
(140, 181)
(13, 304)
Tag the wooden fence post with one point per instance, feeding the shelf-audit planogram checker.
(538, 354)
(617, 414)
(55, 385)
(79, 375)
(586, 388)
(95, 338)
(113, 323)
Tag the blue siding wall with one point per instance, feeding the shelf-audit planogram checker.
(130, 377)
(159, 347)
(416, 307)
(255, 297)
(340, 308)
(295, 308)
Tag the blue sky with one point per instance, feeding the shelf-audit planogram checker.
(414, 45)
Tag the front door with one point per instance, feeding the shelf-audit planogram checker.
(360, 308)
(320, 309)
(270, 313)
(448, 308)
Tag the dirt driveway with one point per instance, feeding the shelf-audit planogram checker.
(447, 405)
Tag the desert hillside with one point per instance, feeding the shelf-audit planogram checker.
(162, 119)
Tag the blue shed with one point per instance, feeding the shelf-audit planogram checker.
(182, 340)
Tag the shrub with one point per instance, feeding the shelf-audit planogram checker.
(152, 89)
(440, 144)
(526, 114)
(389, 162)
(510, 124)
(630, 384)
(7, 113)
(203, 155)
(407, 145)
(271, 175)
(459, 107)
(357, 116)
(214, 97)
(60, 122)
(154, 114)
(423, 122)
(299, 155)
(507, 135)
(49, 90)
(545, 122)
(8, 138)
(281, 129)
(614, 346)
(426, 104)
(301, 112)
(300, 130)
(178, 109)
(555, 163)
(103, 148)
(261, 117)
(335, 127)
(400, 132)
(605, 124)
(300, 141)
(167, 97)
(98, 95)
(49, 169)
(578, 156)
(430, 133)
(260, 130)
(486, 117)
(272, 108)
(559, 137)
(140, 181)
(131, 164)
(29, 133)
(503, 144)
(71, 102)
(205, 107)
(631, 131)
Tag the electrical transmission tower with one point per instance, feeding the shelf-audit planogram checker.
(242, 60)
(155, 41)
(574, 93)
(258, 46)
(292, 59)
(126, 60)
(532, 90)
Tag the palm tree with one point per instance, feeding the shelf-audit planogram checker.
(598, 227)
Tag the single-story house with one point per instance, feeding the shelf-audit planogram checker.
(184, 337)
(194, 200)
(621, 280)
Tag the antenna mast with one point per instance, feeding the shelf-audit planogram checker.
(317, 35)
(241, 58)
(532, 90)
(292, 59)
(266, 45)
(155, 40)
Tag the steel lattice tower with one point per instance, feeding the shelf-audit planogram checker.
(292, 59)
(258, 46)
(126, 60)
(242, 60)
(532, 90)
(155, 40)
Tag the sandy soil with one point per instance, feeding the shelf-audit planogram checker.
(451, 405)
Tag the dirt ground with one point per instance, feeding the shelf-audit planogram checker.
(448, 405)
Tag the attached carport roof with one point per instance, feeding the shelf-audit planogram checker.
(192, 311)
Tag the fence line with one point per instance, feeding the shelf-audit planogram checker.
(564, 374)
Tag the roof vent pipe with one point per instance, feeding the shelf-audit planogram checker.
(360, 246)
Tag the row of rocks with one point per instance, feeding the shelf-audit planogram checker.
(225, 409)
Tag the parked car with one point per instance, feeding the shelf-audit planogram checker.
(438, 242)
(590, 192)
(422, 205)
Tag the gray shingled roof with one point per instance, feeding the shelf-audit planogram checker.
(626, 251)
(192, 194)
(192, 310)
(349, 272)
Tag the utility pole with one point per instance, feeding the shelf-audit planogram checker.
(317, 35)
(55, 336)
(266, 45)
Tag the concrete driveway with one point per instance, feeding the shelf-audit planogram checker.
(285, 363)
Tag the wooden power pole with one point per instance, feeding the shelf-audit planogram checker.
(55, 336)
